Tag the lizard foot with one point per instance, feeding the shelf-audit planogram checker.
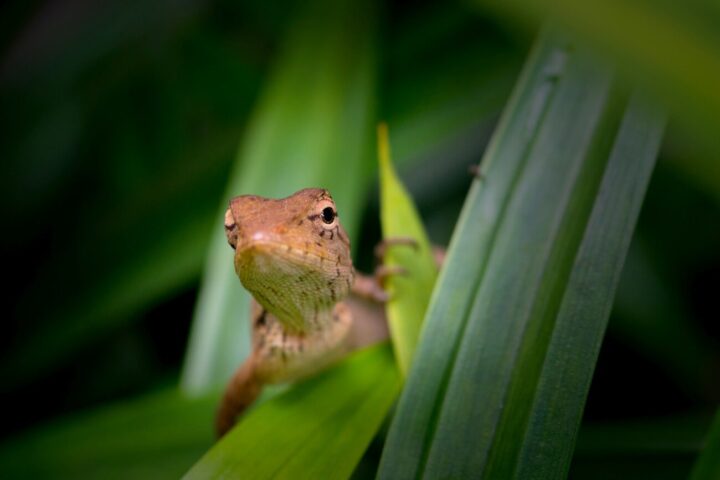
(373, 287)
(384, 271)
(382, 247)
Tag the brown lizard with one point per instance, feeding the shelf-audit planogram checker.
(293, 256)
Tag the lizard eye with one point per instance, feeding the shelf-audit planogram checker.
(328, 215)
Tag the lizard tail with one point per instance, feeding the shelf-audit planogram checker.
(241, 392)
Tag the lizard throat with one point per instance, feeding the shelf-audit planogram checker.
(299, 292)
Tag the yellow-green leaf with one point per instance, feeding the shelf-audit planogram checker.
(410, 291)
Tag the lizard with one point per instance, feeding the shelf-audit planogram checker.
(309, 306)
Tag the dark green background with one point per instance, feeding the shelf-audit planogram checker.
(118, 127)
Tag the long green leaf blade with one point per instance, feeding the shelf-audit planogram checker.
(471, 392)
(412, 424)
(582, 318)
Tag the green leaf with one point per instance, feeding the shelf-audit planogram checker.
(312, 128)
(318, 429)
(157, 436)
(582, 316)
(409, 292)
(529, 279)
(707, 466)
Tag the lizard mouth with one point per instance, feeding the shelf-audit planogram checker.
(279, 250)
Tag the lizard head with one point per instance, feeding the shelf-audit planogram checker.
(292, 254)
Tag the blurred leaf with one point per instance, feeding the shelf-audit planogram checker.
(318, 429)
(141, 218)
(657, 436)
(669, 48)
(658, 448)
(409, 293)
(528, 283)
(311, 129)
(707, 466)
(648, 313)
(687, 158)
(158, 436)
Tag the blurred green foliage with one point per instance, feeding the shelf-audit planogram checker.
(120, 124)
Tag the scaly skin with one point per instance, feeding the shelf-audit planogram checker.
(293, 256)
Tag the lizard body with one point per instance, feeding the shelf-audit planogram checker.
(310, 307)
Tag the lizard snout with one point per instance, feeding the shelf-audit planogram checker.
(231, 230)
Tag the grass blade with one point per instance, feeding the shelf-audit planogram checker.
(490, 325)
(455, 288)
(582, 317)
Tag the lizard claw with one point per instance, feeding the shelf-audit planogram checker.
(384, 271)
(383, 246)
(376, 286)
(372, 288)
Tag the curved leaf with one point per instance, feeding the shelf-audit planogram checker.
(409, 292)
